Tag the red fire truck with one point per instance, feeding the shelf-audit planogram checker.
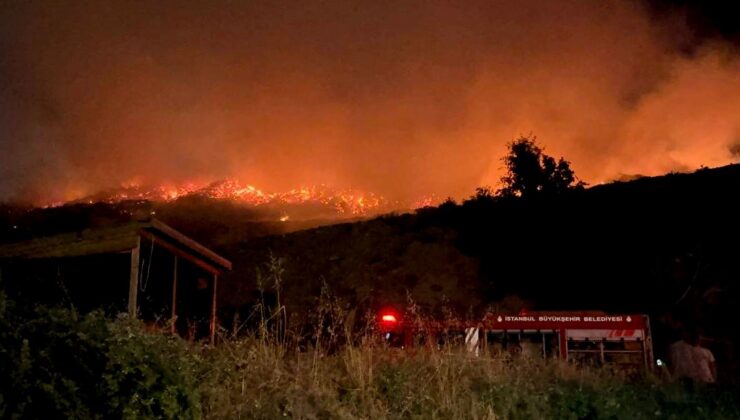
(593, 338)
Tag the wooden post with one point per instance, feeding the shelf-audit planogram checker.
(213, 310)
(174, 298)
(133, 284)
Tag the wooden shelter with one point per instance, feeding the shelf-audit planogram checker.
(147, 265)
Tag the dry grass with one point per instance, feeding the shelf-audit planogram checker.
(53, 359)
(271, 375)
(249, 379)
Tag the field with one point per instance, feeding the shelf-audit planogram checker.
(56, 363)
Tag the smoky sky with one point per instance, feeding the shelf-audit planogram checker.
(403, 98)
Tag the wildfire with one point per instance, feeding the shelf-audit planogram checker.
(350, 202)
(343, 202)
(427, 201)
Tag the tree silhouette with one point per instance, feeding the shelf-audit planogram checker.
(531, 172)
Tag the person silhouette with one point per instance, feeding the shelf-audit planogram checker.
(690, 362)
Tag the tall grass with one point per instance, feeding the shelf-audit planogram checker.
(247, 379)
(347, 371)
(59, 364)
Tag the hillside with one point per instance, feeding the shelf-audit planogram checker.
(664, 245)
(212, 221)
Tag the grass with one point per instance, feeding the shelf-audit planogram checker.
(251, 380)
(55, 363)
(271, 375)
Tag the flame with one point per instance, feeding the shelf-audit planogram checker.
(343, 202)
(426, 201)
(349, 202)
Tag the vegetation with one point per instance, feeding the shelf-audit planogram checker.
(530, 172)
(653, 245)
(57, 364)
(371, 382)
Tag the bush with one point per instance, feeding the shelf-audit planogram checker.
(57, 364)
(149, 375)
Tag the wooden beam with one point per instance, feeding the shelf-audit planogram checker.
(174, 249)
(133, 284)
(174, 297)
(197, 248)
(213, 310)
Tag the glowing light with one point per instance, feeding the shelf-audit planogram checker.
(430, 200)
(389, 318)
(343, 202)
(284, 218)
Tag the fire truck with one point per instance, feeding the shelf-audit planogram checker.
(590, 338)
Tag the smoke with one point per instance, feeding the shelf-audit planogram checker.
(400, 98)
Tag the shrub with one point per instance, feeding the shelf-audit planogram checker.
(58, 364)
(149, 375)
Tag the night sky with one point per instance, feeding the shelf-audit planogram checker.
(403, 98)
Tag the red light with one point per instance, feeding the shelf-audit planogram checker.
(389, 318)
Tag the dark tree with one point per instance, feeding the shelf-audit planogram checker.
(531, 172)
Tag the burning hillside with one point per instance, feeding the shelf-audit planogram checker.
(321, 198)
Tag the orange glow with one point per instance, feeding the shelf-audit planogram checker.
(427, 201)
(392, 118)
(347, 202)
